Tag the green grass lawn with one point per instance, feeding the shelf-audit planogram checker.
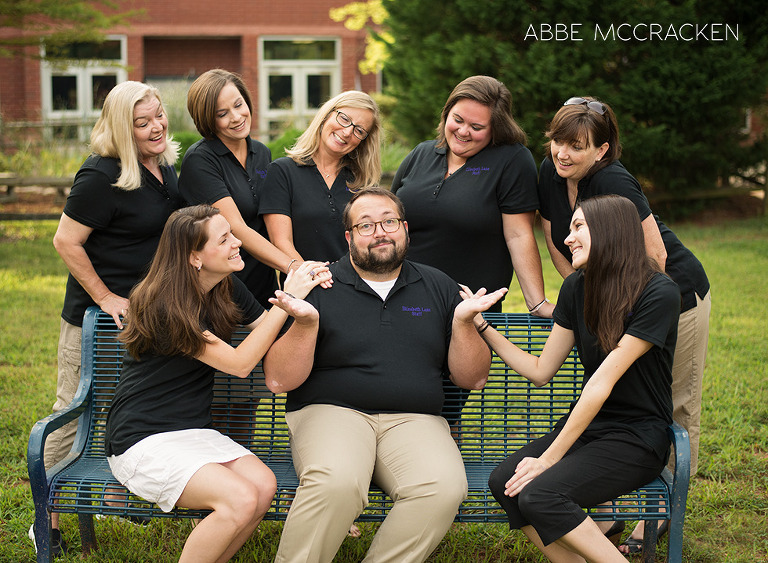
(727, 517)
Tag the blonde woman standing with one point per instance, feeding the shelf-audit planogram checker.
(305, 193)
(110, 228)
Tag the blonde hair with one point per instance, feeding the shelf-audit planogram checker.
(112, 136)
(366, 162)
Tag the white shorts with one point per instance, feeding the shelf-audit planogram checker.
(158, 467)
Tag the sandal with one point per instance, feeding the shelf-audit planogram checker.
(634, 545)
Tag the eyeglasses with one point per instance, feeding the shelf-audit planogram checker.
(344, 120)
(367, 229)
(591, 104)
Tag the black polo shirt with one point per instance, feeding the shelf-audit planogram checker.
(641, 400)
(300, 192)
(126, 224)
(682, 266)
(166, 393)
(455, 223)
(211, 172)
(379, 356)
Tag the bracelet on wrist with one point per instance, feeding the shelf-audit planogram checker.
(288, 269)
(537, 307)
(482, 327)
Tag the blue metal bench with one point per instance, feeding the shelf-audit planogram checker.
(496, 421)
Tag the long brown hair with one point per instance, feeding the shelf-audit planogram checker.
(618, 267)
(168, 309)
(491, 93)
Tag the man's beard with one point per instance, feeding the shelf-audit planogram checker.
(378, 263)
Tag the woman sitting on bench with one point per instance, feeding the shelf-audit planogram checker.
(160, 442)
(621, 312)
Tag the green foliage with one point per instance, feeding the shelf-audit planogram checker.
(185, 139)
(57, 23)
(680, 104)
(285, 141)
(29, 159)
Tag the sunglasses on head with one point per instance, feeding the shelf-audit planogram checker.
(591, 104)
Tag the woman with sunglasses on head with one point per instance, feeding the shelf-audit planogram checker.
(582, 161)
(620, 311)
(474, 187)
(305, 192)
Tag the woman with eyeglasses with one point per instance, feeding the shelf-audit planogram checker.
(582, 161)
(227, 168)
(305, 192)
(470, 199)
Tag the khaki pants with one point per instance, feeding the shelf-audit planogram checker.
(688, 372)
(59, 443)
(337, 452)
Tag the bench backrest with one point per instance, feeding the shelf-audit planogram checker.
(495, 422)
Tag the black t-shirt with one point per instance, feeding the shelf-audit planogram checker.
(682, 266)
(455, 223)
(641, 400)
(211, 172)
(316, 212)
(126, 224)
(166, 393)
(379, 356)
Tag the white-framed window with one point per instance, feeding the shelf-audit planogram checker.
(296, 76)
(74, 89)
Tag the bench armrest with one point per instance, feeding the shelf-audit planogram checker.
(678, 496)
(38, 477)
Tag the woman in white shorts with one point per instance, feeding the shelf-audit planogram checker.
(160, 440)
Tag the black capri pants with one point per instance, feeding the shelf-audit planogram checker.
(600, 466)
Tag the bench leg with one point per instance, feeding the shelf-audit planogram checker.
(675, 546)
(42, 527)
(87, 532)
(650, 537)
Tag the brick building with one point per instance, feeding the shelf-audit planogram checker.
(290, 53)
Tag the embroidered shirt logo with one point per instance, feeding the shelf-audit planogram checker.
(417, 311)
(478, 170)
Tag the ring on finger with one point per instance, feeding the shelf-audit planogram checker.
(312, 274)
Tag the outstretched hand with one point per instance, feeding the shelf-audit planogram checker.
(299, 309)
(300, 281)
(475, 303)
(525, 472)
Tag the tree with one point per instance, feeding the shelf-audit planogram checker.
(56, 23)
(680, 103)
(355, 16)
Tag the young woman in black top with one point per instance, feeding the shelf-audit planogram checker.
(621, 313)
(583, 161)
(159, 437)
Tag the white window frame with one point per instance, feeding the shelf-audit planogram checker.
(299, 114)
(83, 70)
